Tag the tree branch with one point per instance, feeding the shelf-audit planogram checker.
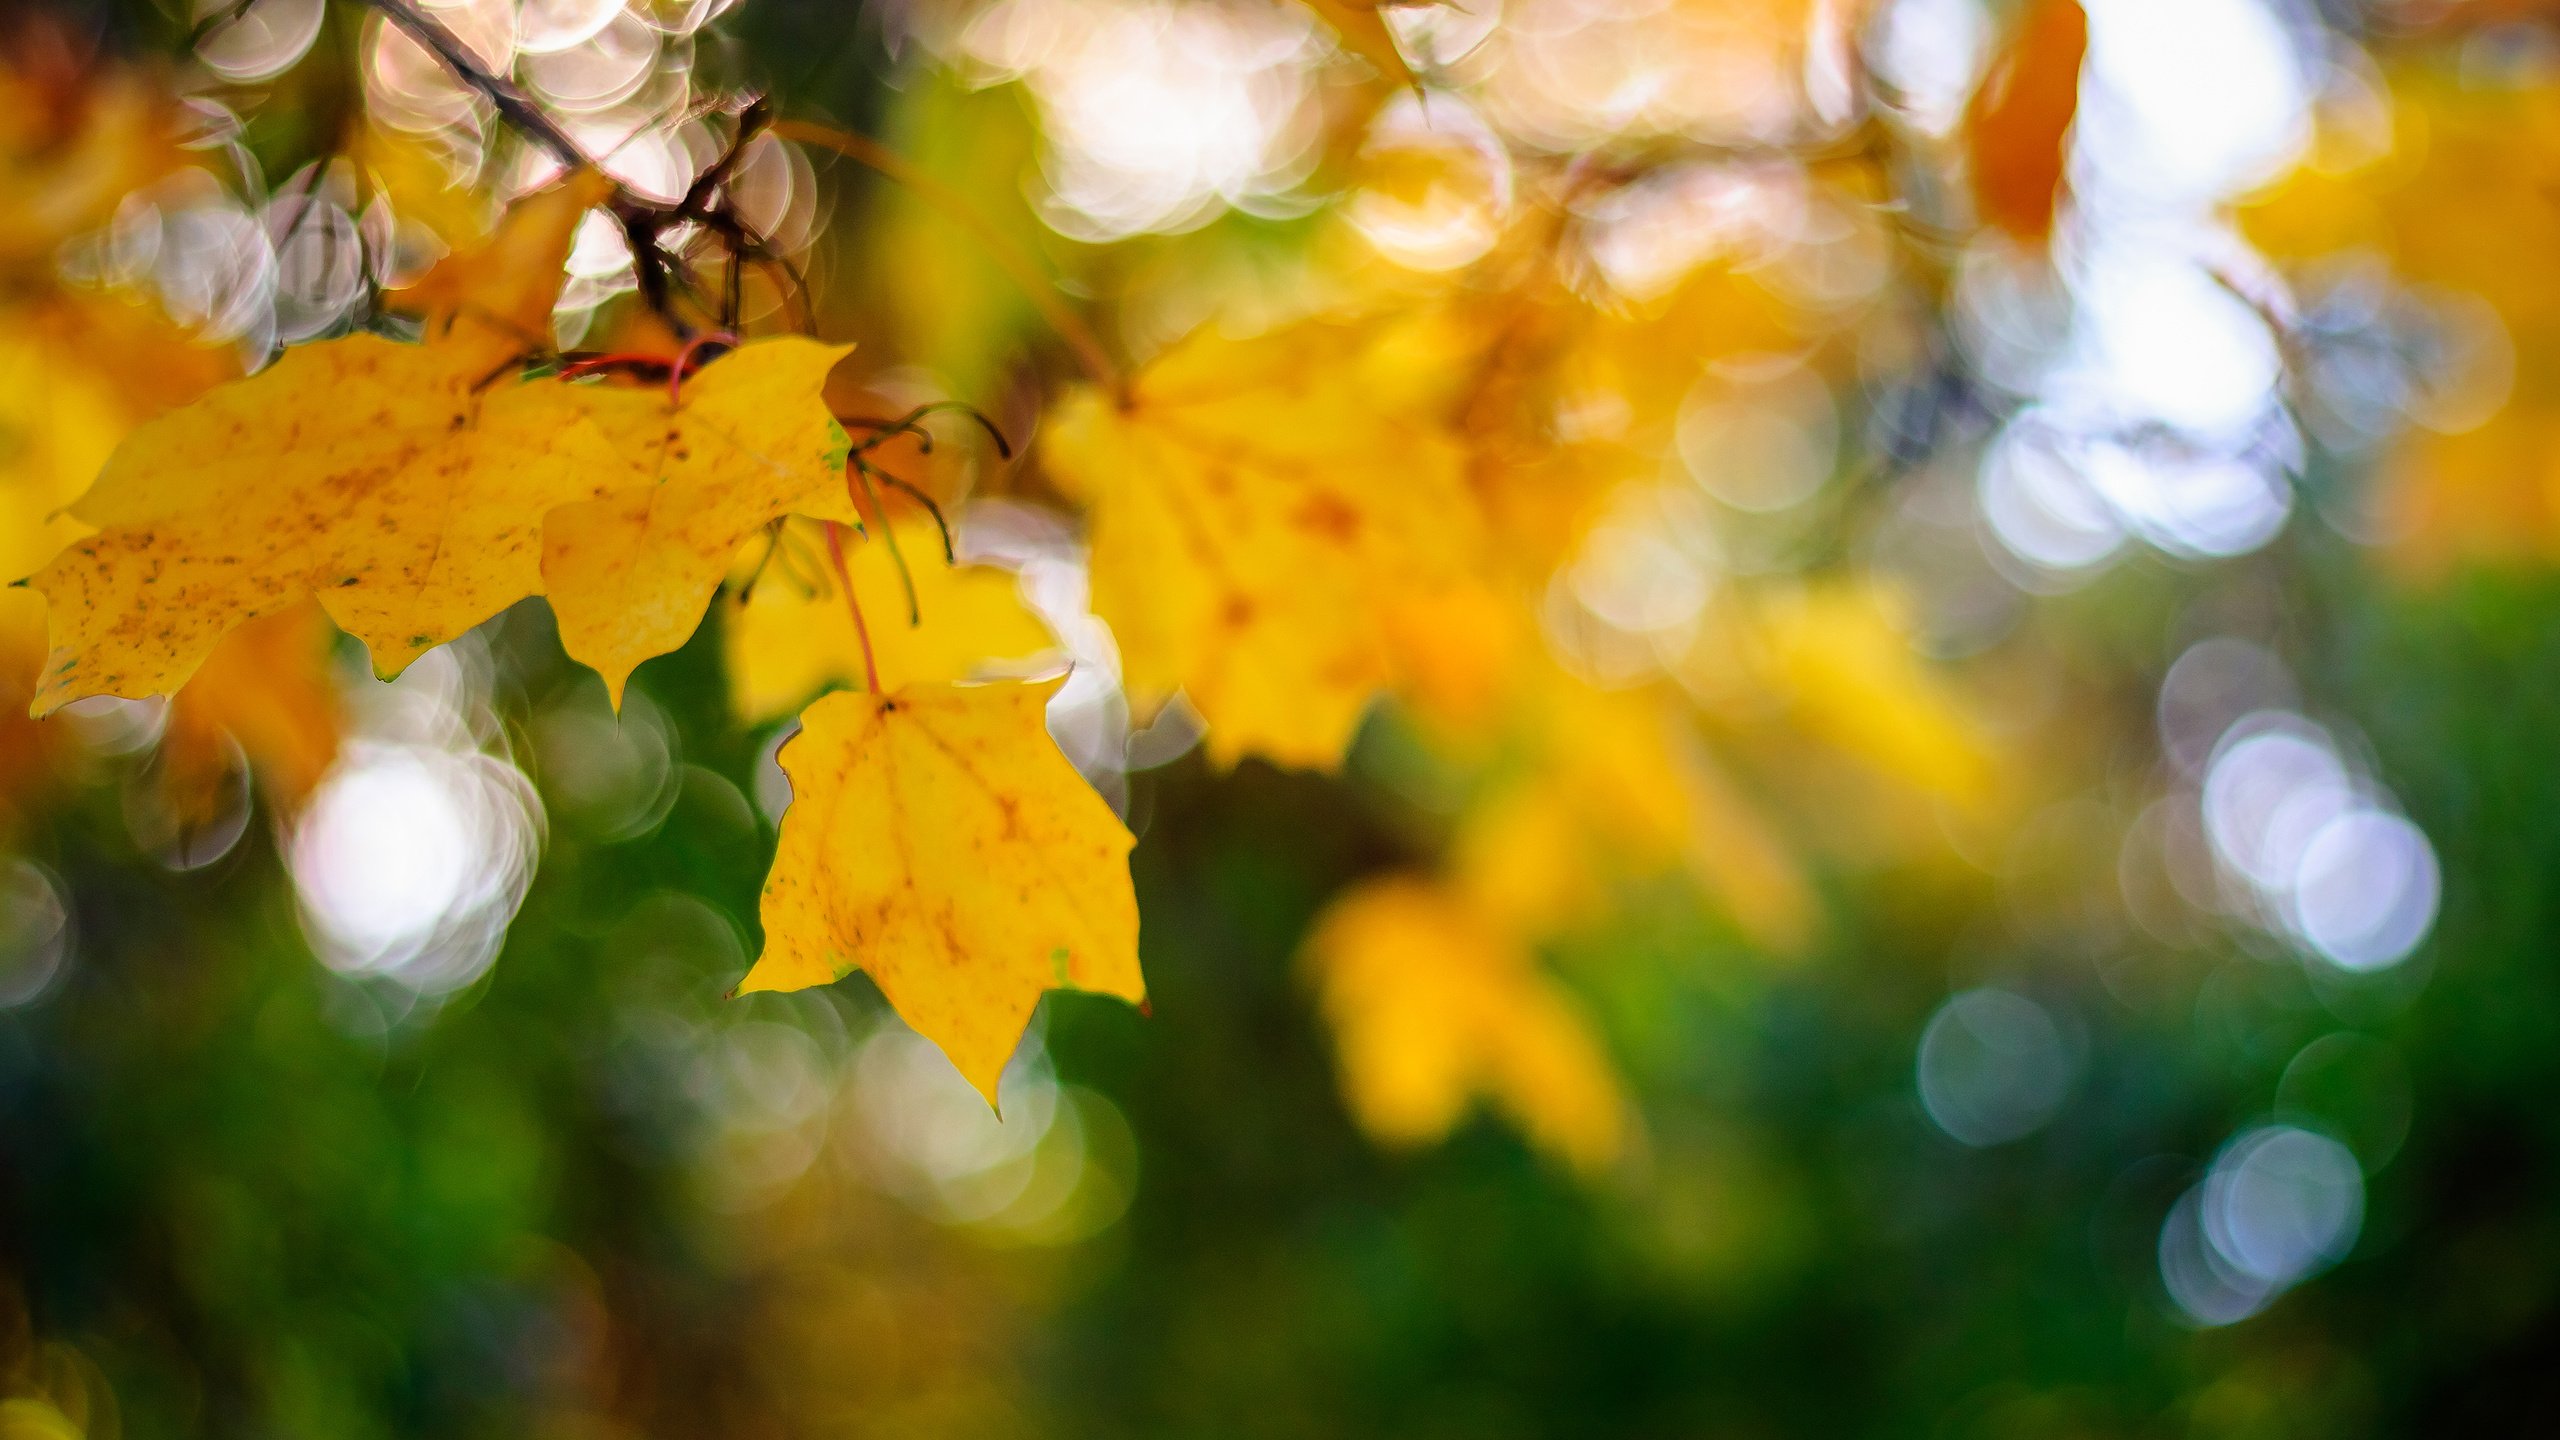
(513, 105)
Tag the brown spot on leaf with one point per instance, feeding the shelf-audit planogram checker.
(1327, 514)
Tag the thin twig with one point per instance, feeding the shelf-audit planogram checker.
(907, 423)
(684, 360)
(772, 546)
(888, 535)
(950, 552)
(852, 606)
(514, 106)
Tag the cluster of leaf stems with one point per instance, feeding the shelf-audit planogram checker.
(660, 274)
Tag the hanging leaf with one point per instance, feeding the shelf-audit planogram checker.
(1259, 508)
(742, 442)
(402, 485)
(1430, 1007)
(938, 841)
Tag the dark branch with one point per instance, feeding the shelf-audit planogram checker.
(514, 106)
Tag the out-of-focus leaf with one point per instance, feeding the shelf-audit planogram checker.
(2452, 189)
(1362, 27)
(1841, 658)
(74, 141)
(1431, 1008)
(505, 284)
(2017, 132)
(1259, 507)
(269, 686)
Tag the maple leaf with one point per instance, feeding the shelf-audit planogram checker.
(1258, 508)
(76, 373)
(2017, 130)
(498, 293)
(744, 441)
(268, 686)
(401, 485)
(791, 636)
(72, 145)
(1430, 1007)
(938, 841)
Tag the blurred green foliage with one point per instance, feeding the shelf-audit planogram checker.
(263, 1200)
(260, 1211)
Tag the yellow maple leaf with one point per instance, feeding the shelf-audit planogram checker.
(58, 424)
(791, 636)
(499, 292)
(1258, 506)
(268, 686)
(745, 440)
(401, 485)
(938, 841)
(1431, 1007)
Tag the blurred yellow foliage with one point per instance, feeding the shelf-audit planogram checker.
(268, 685)
(1258, 507)
(75, 140)
(1432, 1007)
(58, 424)
(496, 293)
(2478, 475)
(1840, 658)
(425, 186)
(1362, 28)
(76, 373)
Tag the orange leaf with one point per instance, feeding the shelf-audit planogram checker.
(268, 686)
(2019, 126)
